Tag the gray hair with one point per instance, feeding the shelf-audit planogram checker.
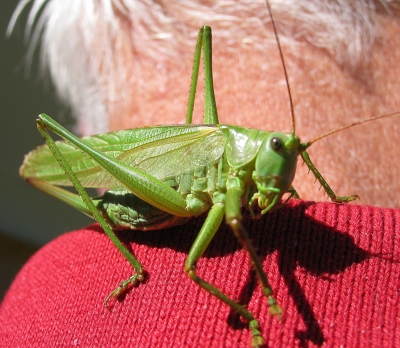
(81, 40)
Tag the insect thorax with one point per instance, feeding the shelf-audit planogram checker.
(127, 211)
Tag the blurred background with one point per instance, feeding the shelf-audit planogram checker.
(28, 217)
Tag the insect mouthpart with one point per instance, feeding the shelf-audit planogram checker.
(275, 168)
(269, 192)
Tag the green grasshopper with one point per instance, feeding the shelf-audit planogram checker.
(159, 177)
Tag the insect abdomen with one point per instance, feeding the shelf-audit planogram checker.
(127, 211)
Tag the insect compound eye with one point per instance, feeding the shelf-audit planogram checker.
(276, 143)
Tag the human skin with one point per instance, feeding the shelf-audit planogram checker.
(251, 92)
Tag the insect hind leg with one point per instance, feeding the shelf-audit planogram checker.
(139, 275)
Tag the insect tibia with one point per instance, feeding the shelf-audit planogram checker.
(334, 198)
(243, 237)
(292, 193)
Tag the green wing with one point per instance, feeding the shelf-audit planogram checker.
(162, 151)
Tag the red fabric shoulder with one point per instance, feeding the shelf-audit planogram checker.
(335, 271)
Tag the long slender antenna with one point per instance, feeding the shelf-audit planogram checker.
(284, 67)
(308, 144)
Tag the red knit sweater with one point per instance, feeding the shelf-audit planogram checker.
(334, 268)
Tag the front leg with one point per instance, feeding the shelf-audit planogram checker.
(198, 248)
(234, 219)
(334, 198)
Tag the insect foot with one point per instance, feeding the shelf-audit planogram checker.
(257, 339)
(344, 199)
(124, 286)
(274, 308)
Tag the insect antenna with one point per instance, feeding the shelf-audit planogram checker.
(373, 118)
(283, 65)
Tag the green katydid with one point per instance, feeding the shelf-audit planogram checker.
(158, 177)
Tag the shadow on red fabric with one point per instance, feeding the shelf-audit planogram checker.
(334, 269)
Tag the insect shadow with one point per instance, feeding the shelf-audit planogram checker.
(301, 241)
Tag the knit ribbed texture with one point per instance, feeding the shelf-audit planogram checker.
(334, 268)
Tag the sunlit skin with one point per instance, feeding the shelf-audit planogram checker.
(251, 93)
